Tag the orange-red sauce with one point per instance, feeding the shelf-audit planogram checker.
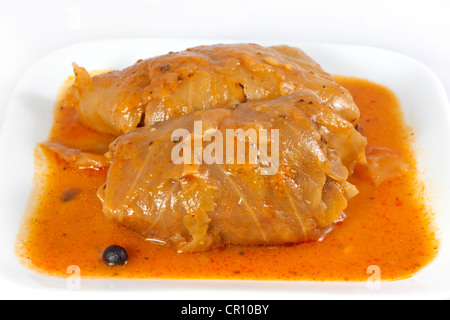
(387, 226)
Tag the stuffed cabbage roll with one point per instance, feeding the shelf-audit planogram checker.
(199, 206)
(176, 84)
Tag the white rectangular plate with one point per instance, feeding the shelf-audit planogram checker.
(29, 120)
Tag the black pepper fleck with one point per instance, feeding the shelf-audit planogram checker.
(165, 68)
(69, 194)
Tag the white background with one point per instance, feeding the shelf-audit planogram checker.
(31, 29)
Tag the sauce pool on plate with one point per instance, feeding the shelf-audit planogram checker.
(388, 224)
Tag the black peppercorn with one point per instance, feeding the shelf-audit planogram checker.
(115, 256)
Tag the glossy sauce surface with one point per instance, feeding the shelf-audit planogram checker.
(388, 226)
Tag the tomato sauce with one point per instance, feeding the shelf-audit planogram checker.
(388, 226)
